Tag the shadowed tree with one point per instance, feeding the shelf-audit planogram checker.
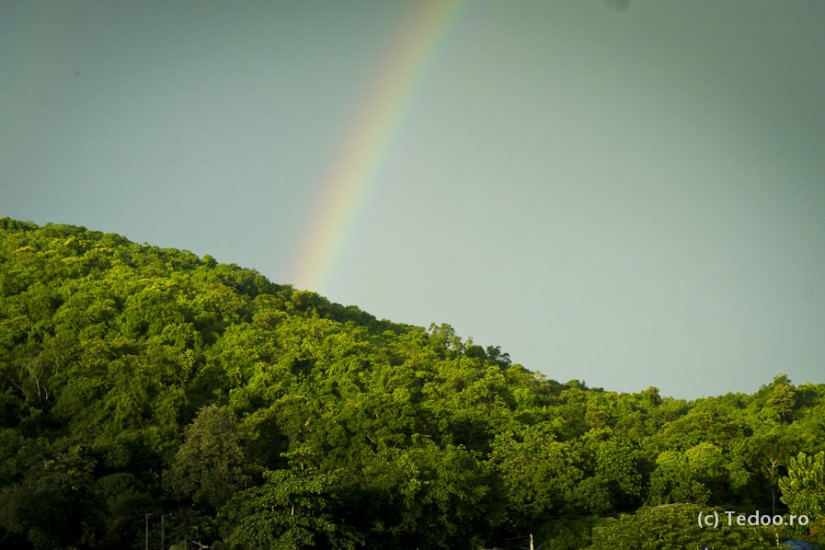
(210, 464)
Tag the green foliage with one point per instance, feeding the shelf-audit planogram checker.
(539, 473)
(287, 512)
(210, 465)
(54, 505)
(675, 526)
(428, 496)
(687, 476)
(803, 489)
(138, 380)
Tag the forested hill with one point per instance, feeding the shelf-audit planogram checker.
(137, 380)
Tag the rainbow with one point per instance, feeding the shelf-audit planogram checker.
(367, 142)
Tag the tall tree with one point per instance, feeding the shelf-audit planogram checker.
(210, 464)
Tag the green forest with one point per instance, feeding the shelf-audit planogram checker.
(152, 398)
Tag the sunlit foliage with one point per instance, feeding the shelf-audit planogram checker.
(138, 382)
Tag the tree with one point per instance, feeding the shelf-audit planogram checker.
(539, 473)
(54, 505)
(675, 526)
(287, 512)
(803, 489)
(210, 464)
(425, 496)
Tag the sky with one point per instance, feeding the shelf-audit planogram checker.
(630, 194)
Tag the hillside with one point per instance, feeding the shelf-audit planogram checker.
(137, 380)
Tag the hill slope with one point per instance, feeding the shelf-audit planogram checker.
(136, 380)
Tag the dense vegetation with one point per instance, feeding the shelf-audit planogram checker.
(240, 413)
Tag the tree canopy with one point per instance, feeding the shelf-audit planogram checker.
(149, 387)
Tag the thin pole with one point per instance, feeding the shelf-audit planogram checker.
(147, 531)
(531, 541)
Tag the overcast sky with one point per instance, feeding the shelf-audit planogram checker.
(629, 197)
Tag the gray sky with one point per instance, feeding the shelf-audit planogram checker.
(629, 198)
